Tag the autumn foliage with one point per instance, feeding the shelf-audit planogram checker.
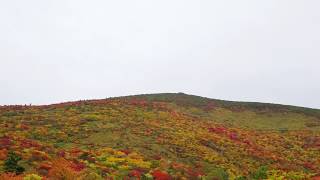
(160, 137)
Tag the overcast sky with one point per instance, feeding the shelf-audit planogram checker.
(248, 50)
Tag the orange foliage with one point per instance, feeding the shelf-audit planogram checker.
(3, 154)
(44, 168)
(61, 169)
(10, 177)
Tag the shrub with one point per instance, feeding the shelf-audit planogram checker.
(219, 174)
(146, 177)
(240, 178)
(10, 114)
(11, 164)
(91, 117)
(261, 173)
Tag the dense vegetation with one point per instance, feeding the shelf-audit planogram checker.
(159, 136)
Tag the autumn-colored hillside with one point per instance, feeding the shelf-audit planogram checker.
(159, 136)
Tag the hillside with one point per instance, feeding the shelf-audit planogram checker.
(159, 136)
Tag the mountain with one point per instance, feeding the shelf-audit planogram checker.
(159, 136)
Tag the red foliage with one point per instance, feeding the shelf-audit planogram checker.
(233, 136)
(26, 143)
(174, 114)
(159, 105)
(247, 142)
(106, 170)
(148, 132)
(137, 102)
(75, 152)
(61, 153)
(312, 142)
(126, 151)
(5, 142)
(157, 157)
(135, 173)
(160, 175)
(309, 165)
(194, 173)
(222, 130)
(24, 127)
(177, 166)
(160, 140)
(78, 166)
(210, 106)
(218, 130)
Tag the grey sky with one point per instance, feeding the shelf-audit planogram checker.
(248, 50)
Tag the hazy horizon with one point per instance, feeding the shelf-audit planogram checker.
(258, 51)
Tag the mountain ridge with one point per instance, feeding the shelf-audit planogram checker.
(170, 94)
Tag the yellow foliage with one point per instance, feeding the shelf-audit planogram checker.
(32, 177)
(135, 155)
(124, 167)
(118, 153)
(139, 163)
(107, 150)
(115, 160)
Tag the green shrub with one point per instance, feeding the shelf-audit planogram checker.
(11, 164)
(91, 117)
(10, 114)
(146, 177)
(219, 174)
(261, 173)
(241, 178)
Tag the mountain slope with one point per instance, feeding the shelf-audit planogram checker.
(163, 135)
